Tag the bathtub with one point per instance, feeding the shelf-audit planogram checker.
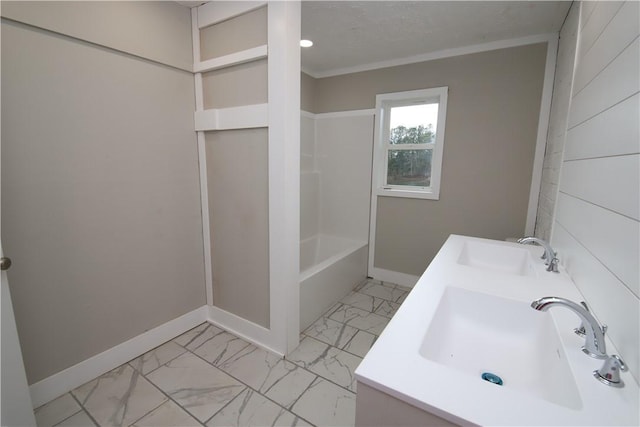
(330, 267)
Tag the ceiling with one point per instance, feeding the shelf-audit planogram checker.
(350, 35)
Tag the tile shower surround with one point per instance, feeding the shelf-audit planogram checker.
(210, 377)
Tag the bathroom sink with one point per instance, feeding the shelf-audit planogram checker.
(496, 257)
(470, 314)
(477, 333)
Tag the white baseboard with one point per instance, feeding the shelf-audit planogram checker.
(396, 277)
(76, 375)
(242, 328)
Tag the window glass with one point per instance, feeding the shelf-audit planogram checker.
(413, 124)
(409, 167)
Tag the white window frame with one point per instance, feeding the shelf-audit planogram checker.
(384, 103)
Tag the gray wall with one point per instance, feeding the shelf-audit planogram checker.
(238, 178)
(234, 35)
(243, 84)
(237, 172)
(157, 30)
(100, 192)
(596, 225)
(307, 93)
(492, 118)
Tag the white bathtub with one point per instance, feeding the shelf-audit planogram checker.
(330, 267)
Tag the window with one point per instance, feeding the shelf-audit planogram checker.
(409, 139)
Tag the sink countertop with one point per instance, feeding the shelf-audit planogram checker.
(395, 366)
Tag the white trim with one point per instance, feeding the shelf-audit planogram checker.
(197, 80)
(204, 208)
(338, 114)
(202, 164)
(541, 138)
(195, 36)
(242, 328)
(446, 53)
(396, 277)
(214, 12)
(236, 58)
(247, 116)
(308, 72)
(348, 113)
(64, 381)
(407, 193)
(284, 173)
(373, 214)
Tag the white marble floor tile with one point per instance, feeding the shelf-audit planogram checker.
(81, 419)
(118, 397)
(251, 409)
(326, 404)
(196, 385)
(56, 411)
(198, 335)
(219, 347)
(360, 319)
(365, 283)
(387, 309)
(157, 357)
(331, 332)
(329, 362)
(385, 291)
(268, 373)
(333, 308)
(362, 301)
(360, 344)
(166, 415)
(286, 390)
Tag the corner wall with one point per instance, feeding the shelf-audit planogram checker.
(596, 228)
(100, 193)
(491, 131)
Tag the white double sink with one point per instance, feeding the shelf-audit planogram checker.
(469, 314)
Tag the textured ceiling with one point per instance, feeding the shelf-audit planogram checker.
(350, 34)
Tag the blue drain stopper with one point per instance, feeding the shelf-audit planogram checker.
(492, 378)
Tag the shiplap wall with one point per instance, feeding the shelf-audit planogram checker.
(558, 118)
(596, 229)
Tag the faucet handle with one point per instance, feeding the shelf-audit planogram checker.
(580, 331)
(553, 265)
(609, 374)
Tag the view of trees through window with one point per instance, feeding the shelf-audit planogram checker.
(410, 166)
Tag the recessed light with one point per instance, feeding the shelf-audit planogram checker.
(306, 43)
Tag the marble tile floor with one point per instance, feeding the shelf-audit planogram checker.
(209, 377)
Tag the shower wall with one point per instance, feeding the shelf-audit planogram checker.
(335, 184)
(309, 179)
(335, 188)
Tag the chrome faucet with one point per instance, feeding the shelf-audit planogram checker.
(549, 255)
(609, 374)
(594, 344)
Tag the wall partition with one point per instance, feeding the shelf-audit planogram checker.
(246, 59)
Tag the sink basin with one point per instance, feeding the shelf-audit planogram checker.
(469, 314)
(496, 257)
(477, 333)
